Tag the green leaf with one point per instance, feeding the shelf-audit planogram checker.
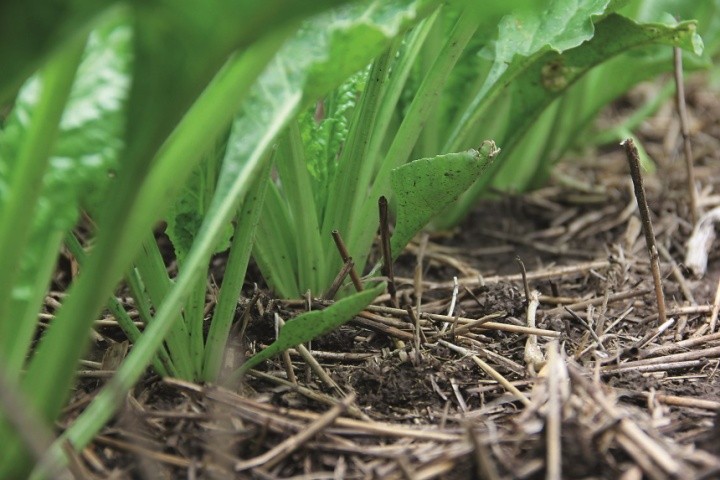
(30, 30)
(137, 202)
(86, 156)
(562, 25)
(187, 212)
(550, 74)
(310, 325)
(425, 187)
(79, 167)
(326, 50)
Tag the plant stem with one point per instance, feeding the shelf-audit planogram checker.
(346, 258)
(247, 219)
(687, 146)
(634, 161)
(387, 268)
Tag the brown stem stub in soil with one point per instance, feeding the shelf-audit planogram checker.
(345, 255)
(526, 285)
(340, 278)
(387, 268)
(634, 161)
(687, 147)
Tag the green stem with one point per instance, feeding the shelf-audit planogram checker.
(162, 363)
(247, 220)
(153, 273)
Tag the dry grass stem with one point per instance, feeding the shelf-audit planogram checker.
(687, 145)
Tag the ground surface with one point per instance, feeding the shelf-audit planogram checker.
(606, 393)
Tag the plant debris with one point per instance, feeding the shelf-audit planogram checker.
(446, 391)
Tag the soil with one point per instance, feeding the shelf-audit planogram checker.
(614, 393)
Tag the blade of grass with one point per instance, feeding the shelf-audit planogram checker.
(360, 238)
(346, 182)
(53, 364)
(247, 220)
(156, 282)
(161, 363)
(194, 312)
(24, 311)
(274, 252)
(305, 228)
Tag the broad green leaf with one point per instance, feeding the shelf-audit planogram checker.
(87, 153)
(324, 135)
(187, 212)
(19, 199)
(79, 167)
(425, 187)
(310, 325)
(549, 75)
(562, 25)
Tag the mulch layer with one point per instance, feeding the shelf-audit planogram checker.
(571, 374)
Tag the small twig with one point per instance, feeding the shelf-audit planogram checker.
(634, 292)
(472, 325)
(634, 161)
(544, 274)
(715, 309)
(658, 367)
(504, 327)
(682, 113)
(279, 322)
(339, 279)
(239, 328)
(681, 345)
(705, 353)
(387, 268)
(686, 310)
(679, 278)
(526, 285)
(489, 370)
(453, 297)
(273, 456)
(586, 326)
(652, 335)
(345, 255)
(416, 327)
(374, 322)
(417, 277)
(677, 401)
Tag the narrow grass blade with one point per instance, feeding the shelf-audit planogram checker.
(247, 220)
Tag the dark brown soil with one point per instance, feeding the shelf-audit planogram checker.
(608, 400)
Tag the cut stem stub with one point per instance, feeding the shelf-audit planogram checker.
(634, 161)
